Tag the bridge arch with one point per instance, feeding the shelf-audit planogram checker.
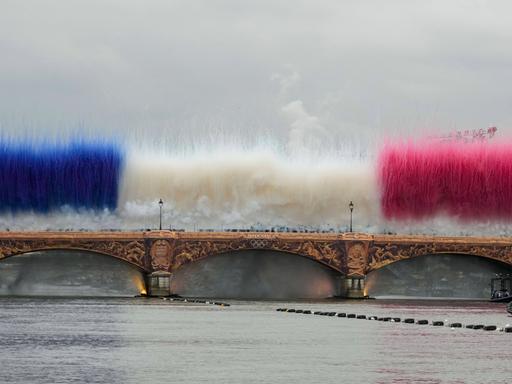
(256, 273)
(131, 252)
(382, 255)
(438, 274)
(60, 271)
(77, 249)
(183, 259)
(491, 257)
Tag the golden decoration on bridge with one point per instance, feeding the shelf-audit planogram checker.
(161, 253)
(350, 254)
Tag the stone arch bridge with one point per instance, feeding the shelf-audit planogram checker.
(353, 255)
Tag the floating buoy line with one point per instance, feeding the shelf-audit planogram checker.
(196, 301)
(435, 323)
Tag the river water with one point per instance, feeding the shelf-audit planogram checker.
(62, 340)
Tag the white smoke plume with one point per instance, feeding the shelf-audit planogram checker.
(240, 189)
(306, 133)
(286, 81)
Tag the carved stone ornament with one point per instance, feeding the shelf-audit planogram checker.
(384, 254)
(353, 254)
(357, 260)
(328, 253)
(131, 251)
(161, 255)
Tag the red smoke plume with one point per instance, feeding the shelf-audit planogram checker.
(468, 181)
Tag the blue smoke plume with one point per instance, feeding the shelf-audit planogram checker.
(42, 178)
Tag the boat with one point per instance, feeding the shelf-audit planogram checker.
(501, 297)
(501, 288)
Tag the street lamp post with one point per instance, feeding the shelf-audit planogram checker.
(351, 207)
(161, 204)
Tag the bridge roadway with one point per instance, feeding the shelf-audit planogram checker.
(351, 254)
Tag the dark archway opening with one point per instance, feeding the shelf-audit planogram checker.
(256, 274)
(436, 276)
(68, 273)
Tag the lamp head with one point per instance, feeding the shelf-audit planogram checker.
(351, 205)
(161, 203)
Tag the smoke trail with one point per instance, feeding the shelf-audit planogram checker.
(67, 218)
(306, 134)
(469, 182)
(287, 79)
(429, 188)
(245, 188)
(49, 176)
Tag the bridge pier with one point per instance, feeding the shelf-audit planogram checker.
(159, 284)
(354, 287)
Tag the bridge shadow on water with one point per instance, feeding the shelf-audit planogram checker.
(256, 274)
(68, 273)
(436, 276)
(248, 274)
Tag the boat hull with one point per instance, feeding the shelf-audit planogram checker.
(507, 299)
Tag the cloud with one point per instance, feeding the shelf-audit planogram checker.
(163, 67)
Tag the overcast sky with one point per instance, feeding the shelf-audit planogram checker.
(283, 69)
